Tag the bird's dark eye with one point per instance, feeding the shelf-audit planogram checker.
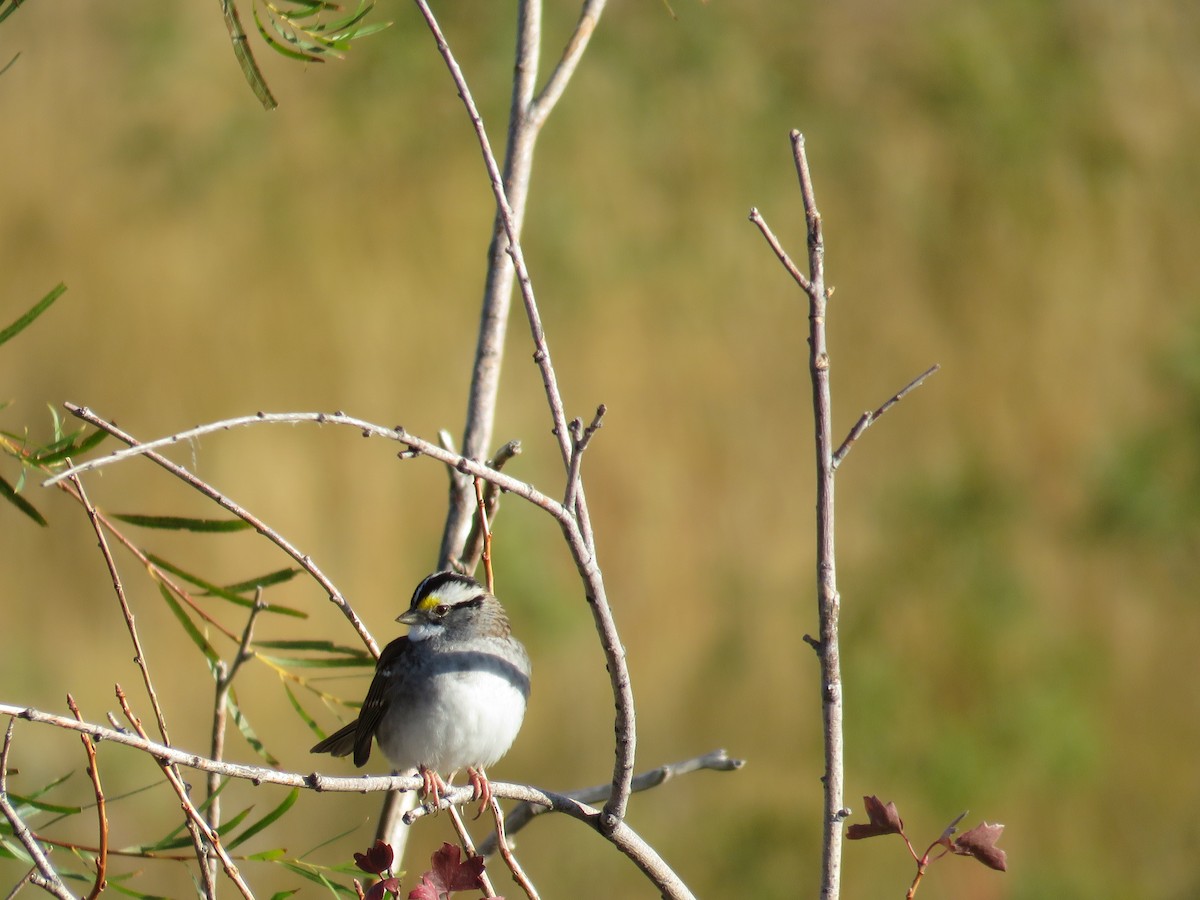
(440, 610)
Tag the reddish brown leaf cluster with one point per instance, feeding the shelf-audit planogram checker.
(979, 842)
(448, 873)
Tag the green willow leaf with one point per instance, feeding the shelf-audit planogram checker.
(61, 449)
(42, 806)
(36, 310)
(224, 593)
(266, 820)
(303, 714)
(190, 627)
(315, 876)
(322, 646)
(300, 662)
(243, 725)
(182, 523)
(263, 581)
(9, 493)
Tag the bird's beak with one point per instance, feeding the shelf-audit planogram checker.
(411, 617)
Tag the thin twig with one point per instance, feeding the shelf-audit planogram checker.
(867, 419)
(773, 242)
(225, 673)
(211, 838)
(486, 529)
(580, 438)
(464, 838)
(473, 549)
(136, 448)
(130, 623)
(94, 772)
(506, 853)
(828, 601)
(524, 813)
(45, 877)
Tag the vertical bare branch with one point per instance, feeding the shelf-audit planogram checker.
(225, 673)
(827, 595)
(828, 601)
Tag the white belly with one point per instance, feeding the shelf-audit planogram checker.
(473, 723)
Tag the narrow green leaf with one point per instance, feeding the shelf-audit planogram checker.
(283, 895)
(243, 725)
(49, 786)
(300, 662)
(218, 591)
(115, 885)
(276, 45)
(190, 627)
(182, 523)
(26, 320)
(323, 646)
(315, 876)
(263, 581)
(13, 850)
(303, 714)
(266, 820)
(43, 806)
(53, 454)
(229, 827)
(270, 856)
(9, 493)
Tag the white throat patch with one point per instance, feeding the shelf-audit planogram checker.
(424, 632)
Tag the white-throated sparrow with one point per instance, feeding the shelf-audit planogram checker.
(448, 695)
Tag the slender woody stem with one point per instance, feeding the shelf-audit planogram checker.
(828, 601)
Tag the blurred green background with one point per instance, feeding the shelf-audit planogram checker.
(1011, 190)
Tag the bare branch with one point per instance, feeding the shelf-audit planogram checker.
(867, 419)
(589, 17)
(792, 269)
(506, 853)
(828, 601)
(101, 808)
(130, 624)
(225, 673)
(524, 813)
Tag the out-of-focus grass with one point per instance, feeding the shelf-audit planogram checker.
(1008, 189)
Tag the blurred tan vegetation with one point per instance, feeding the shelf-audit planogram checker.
(1012, 190)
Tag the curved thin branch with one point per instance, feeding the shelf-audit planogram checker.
(524, 813)
(621, 836)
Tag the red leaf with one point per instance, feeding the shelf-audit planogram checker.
(377, 860)
(883, 820)
(980, 842)
(452, 875)
(426, 890)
